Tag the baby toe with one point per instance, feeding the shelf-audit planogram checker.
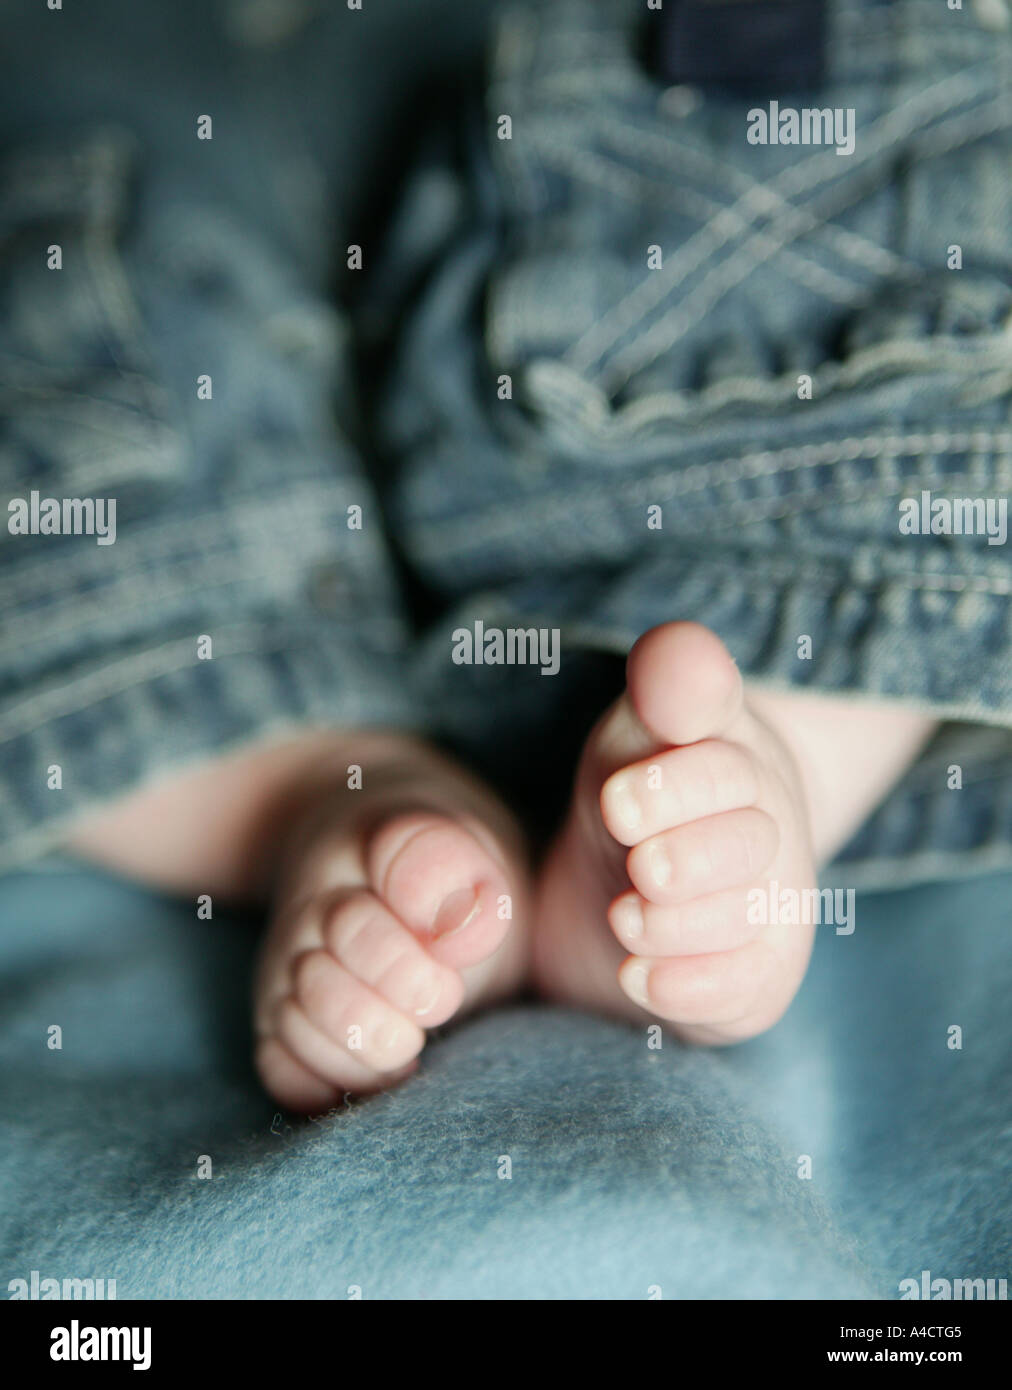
(366, 938)
(440, 882)
(715, 998)
(677, 786)
(706, 856)
(351, 1017)
(712, 923)
(290, 1082)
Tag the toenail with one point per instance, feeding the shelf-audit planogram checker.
(426, 998)
(624, 804)
(660, 865)
(630, 919)
(456, 911)
(634, 982)
(387, 1036)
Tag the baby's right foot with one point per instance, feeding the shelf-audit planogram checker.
(684, 801)
(403, 903)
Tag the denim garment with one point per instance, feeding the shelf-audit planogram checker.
(184, 257)
(678, 386)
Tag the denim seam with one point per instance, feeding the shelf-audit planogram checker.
(160, 594)
(806, 176)
(114, 678)
(797, 503)
(674, 323)
(995, 585)
(850, 245)
(665, 443)
(231, 572)
(160, 539)
(931, 356)
(766, 192)
(815, 574)
(218, 525)
(600, 171)
(737, 468)
(124, 675)
(163, 595)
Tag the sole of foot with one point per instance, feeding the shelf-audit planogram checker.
(403, 904)
(684, 803)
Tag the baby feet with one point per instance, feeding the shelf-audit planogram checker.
(402, 903)
(684, 801)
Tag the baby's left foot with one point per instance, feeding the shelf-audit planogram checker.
(403, 903)
(685, 802)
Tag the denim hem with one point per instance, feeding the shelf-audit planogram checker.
(124, 724)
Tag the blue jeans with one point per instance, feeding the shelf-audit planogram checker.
(241, 599)
(538, 1153)
(651, 370)
(189, 361)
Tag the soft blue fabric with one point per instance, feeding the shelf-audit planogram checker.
(632, 1169)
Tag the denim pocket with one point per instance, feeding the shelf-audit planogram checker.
(664, 277)
(939, 347)
(78, 400)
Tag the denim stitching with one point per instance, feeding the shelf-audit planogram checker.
(600, 171)
(931, 356)
(116, 677)
(815, 170)
(849, 244)
(307, 502)
(735, 469)
(803, 177)
(815, 574)
(755, 511)
(229, 563)
(148, 591)
(675, 322)
(663, 335)
(799, 504)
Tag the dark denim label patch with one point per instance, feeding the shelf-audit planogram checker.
(744, 46)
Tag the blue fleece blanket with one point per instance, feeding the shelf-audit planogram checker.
(539, 1153)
